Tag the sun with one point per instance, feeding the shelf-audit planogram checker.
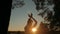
(34, 29)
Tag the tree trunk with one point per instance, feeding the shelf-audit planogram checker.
(5, 11)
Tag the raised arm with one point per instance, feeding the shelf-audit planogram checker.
(35, 22)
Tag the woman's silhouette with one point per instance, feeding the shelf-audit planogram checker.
(30, 25)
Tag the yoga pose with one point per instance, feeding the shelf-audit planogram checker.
(30, 25)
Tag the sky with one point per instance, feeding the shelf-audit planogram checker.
(19, 16)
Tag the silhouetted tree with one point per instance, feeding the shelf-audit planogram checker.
(56, 18)
(53, 16)
(5, 11)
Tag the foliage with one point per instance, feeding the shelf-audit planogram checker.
(51, 11)
(17, 3)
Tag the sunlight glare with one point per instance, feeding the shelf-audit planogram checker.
(34, 29)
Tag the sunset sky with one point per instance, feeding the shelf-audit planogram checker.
(19, 16)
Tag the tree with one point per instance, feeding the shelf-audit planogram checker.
(17, 3)
(5, 6)
(52, 16)
(5, 13)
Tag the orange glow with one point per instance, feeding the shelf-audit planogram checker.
(34, 29)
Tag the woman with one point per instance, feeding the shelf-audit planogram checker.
(29, 26)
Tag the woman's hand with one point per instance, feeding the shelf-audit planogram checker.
(30, 15)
